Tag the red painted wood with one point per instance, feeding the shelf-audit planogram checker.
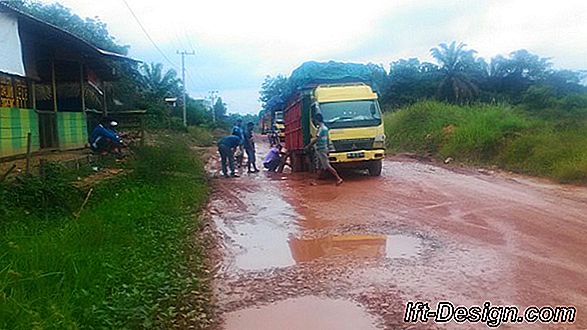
(294, 136)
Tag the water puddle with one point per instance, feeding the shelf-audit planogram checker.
(258, 245)
(355, 246)
(306, 313)
(402, 246)
(258, 238)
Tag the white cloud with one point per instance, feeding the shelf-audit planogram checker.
(239, 42)
(550, 28)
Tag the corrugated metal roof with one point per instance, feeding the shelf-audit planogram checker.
(46, 27)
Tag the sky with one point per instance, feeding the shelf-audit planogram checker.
(237, 43)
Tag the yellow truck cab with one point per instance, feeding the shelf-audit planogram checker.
(353, 116)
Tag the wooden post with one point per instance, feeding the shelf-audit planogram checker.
(54, 85)
(34, 95)
(83, 94)
(28, 153)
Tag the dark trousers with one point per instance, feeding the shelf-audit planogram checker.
(104, 145)
(226, 156)
(272, 165)
(250, 156)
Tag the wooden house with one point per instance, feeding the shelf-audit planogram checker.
(49, 79)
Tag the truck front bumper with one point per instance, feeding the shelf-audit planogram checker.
(356, 156)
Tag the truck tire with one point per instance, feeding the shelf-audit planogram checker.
(375, 167)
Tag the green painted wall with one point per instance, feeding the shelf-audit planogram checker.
(15, 123)
(72, 130)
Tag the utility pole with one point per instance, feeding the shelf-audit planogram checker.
(183, 54)
(212, 99)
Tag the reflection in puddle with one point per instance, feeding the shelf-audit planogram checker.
(261, 230)
(302, 313)
(355, 246)
(258, 245)
(258, 238)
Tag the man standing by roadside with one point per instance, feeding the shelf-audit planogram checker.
(237, 130)
(226, 148)
(320, 143)
(249, 145)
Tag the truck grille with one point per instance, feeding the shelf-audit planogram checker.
(353, 144)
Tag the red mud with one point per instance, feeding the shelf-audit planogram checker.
(418, 232)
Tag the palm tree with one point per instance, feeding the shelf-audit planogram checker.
(455, 62)
(158, 84)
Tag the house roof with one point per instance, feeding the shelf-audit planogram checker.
(51, 31)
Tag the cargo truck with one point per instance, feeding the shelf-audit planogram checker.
(272, 123)
(265, 123)
(279, 125)
(352, 113)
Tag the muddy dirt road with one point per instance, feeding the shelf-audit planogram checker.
(301, 253)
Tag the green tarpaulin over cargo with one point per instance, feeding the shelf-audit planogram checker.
(312, 73)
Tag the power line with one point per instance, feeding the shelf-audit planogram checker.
(201, 77)
(147, 34)
(189, 39)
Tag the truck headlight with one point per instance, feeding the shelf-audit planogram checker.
(379, 141)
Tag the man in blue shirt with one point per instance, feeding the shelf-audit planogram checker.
(104, 138)
(237, 129)
(226, 147)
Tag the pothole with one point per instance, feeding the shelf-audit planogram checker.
(257, 246)
(402, 246)
(355, 246)
(308, 313)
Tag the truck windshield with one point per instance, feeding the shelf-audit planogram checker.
(351, 114)
(279, 116)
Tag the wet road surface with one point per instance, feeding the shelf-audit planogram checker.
(300, 253)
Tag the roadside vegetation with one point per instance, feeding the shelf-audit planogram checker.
(129, 259)
(551, 143)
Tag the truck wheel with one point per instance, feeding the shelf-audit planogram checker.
(375, 167)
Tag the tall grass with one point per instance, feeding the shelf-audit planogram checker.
(121, 264)
(201, 135)
(494, 135)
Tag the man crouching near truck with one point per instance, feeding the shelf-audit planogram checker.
(320, 143)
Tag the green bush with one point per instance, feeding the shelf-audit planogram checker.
(549, 152)
(482, 133)
(51, 193)
(420, 127)
(551, 143)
